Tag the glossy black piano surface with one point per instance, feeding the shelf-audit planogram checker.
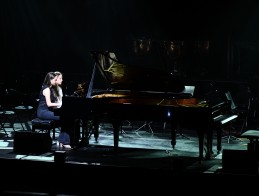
(186, 112)
(135, 94)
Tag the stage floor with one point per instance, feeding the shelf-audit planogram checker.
(145, 155)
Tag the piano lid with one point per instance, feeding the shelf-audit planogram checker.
(121, 76)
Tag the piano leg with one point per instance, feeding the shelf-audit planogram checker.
(205, 145)
(86, 132)
(209, 141)
(219, 135)
(173, 141)
(201, 145)
(96, 124)
(76, 132)
(174, 126)
(116, 129)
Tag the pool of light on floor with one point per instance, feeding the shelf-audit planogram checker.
(4, 144)
(32, 157)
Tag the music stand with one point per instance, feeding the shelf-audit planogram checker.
(234, 112)
(122, 132)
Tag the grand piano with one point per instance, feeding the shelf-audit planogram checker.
(142, 94)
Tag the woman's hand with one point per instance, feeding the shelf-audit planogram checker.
(59, 104)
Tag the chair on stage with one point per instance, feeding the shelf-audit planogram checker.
(6, 120)
(253, 137)
(8, 116)
(13, 110)
(23, 112)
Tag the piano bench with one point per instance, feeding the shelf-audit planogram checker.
(253, 136)
(45, 125)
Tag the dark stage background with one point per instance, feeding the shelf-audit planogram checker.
(215, 40)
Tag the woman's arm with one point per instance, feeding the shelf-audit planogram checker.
(59, 98)
(46, 93)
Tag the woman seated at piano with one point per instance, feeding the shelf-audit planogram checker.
(48, 101)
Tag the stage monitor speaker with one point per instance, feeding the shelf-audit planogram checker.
(239, 161)
(60, 157)
(31, 142)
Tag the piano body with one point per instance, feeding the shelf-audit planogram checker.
(142, 94)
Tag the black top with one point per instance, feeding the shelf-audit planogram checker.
(42, 100)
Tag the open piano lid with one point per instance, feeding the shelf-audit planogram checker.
(136, 79)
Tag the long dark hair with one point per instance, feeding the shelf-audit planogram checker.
(47, 82)
(50, 76)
